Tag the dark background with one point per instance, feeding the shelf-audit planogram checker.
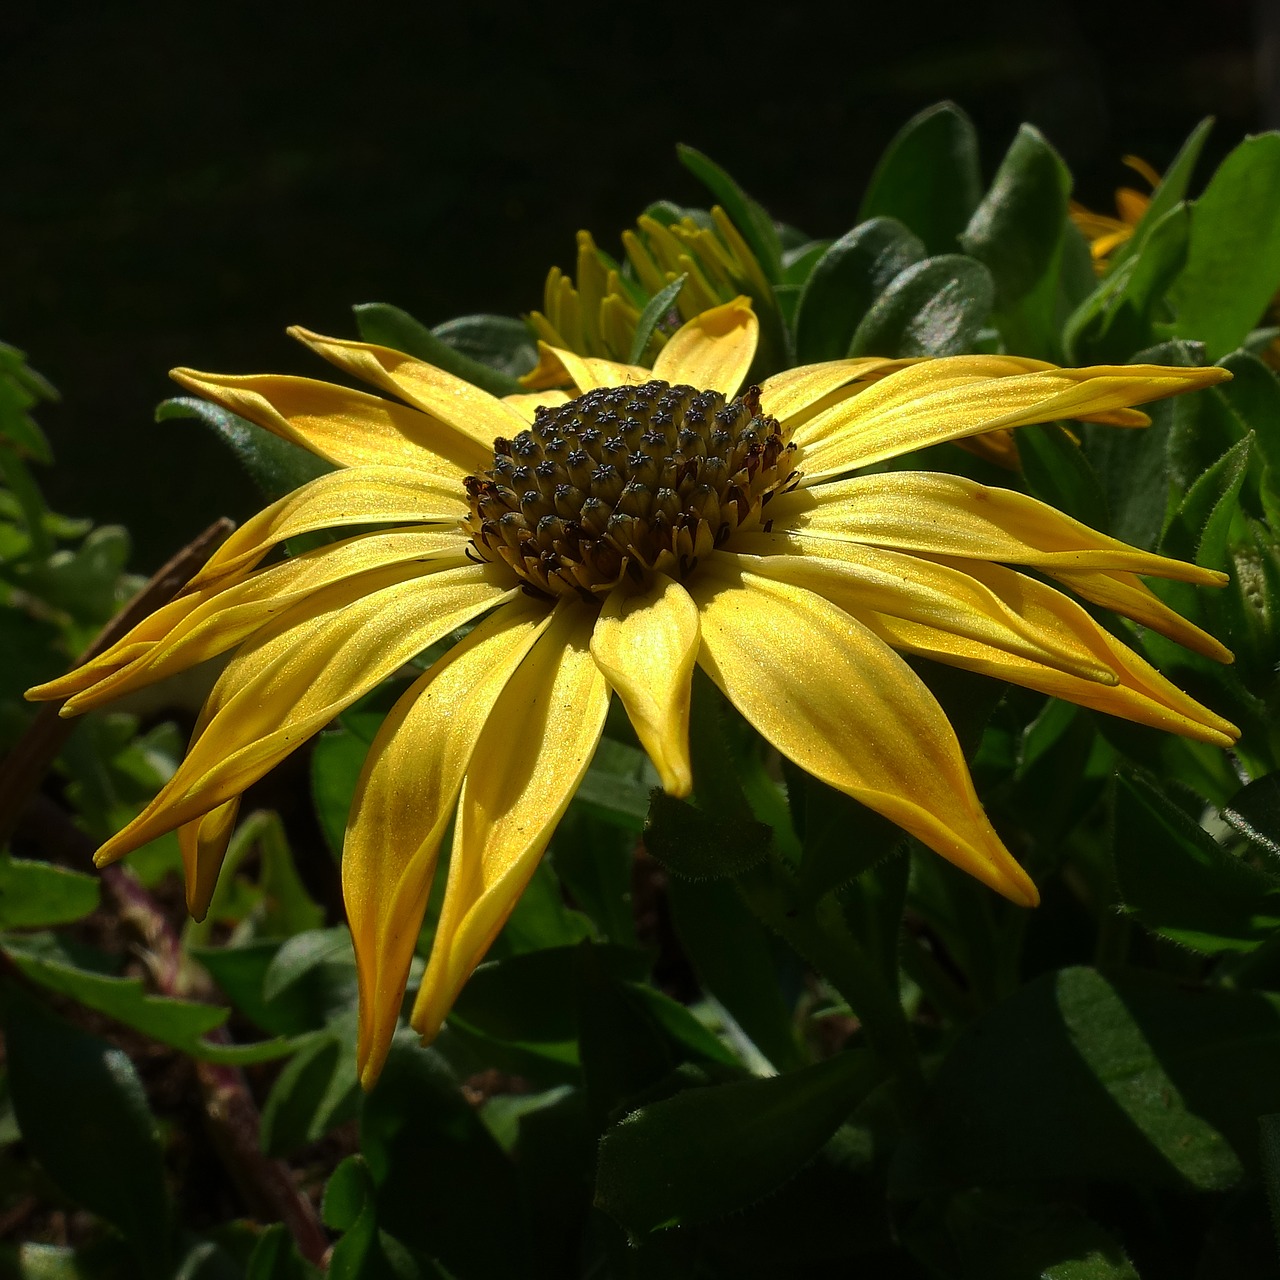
(180, 182)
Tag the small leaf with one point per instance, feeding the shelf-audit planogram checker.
(709, 1151)
(36, 895)
(1179, 882)
(1202, 520)
(388, 326)
(1255, 813)
(928, 178)
(301, 954)
(845, 281)
(696, 846)
(84, 1116)
(749, 217)
(654, 312)
(276, 466)
(934, 308)
(501, 342)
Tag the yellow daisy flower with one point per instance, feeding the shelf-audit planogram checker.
(605, 543)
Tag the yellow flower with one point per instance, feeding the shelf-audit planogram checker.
(599, 314)
(1106, 234)
(605, 544)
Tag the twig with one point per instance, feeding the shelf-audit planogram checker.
(28, 762)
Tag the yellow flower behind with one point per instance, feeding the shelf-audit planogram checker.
(1106, 234)
(606, 543)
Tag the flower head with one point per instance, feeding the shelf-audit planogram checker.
(606, 541)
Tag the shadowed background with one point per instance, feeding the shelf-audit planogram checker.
(177, 184)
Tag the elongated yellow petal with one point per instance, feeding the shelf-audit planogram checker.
(713, 351)
(1143, 695)
(356, 495)
(859, 579)
(525, 768)
(297, 674)
(223, 618)
(525, 405)
(646, 646)
(835, 699)
(403, 802)
(954, 397)
(557, 366)
(474, 414)
(349, 428)
(203, 842)
(1127, 595)
(788, 395)
(937, 514)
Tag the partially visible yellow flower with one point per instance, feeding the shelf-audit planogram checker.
(606, 543)
(1106, 234)
(597, 314)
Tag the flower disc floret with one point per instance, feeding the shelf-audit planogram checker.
(625, 482)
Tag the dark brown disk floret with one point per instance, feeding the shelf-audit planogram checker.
(626, 481)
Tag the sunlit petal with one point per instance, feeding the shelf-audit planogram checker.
(295, 676)
(203, 842)
(349, 428)
(557, 366)
(713, 351)
(937, 514)
(795, 392)
(525, 768)
(646, 646)
(403, 802)
(951, 398)
(525, 405)
(471, 412)
(851, 713)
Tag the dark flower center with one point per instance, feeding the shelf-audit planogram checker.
(624, 482)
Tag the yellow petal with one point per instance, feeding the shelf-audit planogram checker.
(471, 412)
(957, 396)
(292, 678)
(937, 514)
(840, 703)
(1142, 695)
(525, 405)
(403, 802)
(356, 495)
(1127, 595)
(203, 842)
(525, 768)
(861, 579)
(646, 646)
(788, 395)
(222, 618)
(557, 366)
(713, 351)
(349, 428)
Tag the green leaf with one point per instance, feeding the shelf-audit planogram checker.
(934, 308)
(929, 178)
(654, 312)
(844, 283)
(617, 785)
(84, 1116)
(317, 1090)
(1018, 232)
(501, 342)
(1118, 317)
(696, 846)
(1057, 471)
(35, 895)
(388, 326)
(303, 953)
(749, 217)
(1233, 260)
(1171, 191)
(434, 1164)
(1254, 811)
(1081, 1077)
(276, 466)
(180, 1023)
(363, 1252)
(1179, 882)
(709, 1151)
(1200, 524)
(276, 1257)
